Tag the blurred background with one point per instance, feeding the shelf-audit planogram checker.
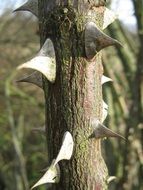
(23, 151)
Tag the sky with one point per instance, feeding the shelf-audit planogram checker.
(123, 9)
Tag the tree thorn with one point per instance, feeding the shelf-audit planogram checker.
(66, 150)
(105, 79)
(100, 131)
(44, 62)
(31, 6)
(52, 175)
(96, 40)
(111, 178)
(34, 78)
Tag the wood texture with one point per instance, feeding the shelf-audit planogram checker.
(75, 98)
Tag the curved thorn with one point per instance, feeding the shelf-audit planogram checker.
(100, 131)
(52, 175)
(105, 79)
(44, 62)
(66, 150)
(34, 78)
(111, 178)
(47, 49)
(109, 17)
(31, 6)
(96, 40)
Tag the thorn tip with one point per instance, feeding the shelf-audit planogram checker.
(100, 131)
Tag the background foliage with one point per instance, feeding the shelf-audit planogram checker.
(23, 153)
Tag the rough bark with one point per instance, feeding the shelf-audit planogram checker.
(75, 98)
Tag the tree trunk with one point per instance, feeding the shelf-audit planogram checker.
(75, 98)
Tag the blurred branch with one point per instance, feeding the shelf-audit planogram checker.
(124, 54)
(18, 43)
(21, 178)
(138, 6)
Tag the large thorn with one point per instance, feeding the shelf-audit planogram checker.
(31, 6)
(66, 150)
(52, 175)
(109, 18)
(105, 79)
(34, 78)
(44, 62)
(100, 131)
(96, 40)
